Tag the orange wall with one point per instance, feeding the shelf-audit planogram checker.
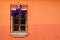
(43, 20)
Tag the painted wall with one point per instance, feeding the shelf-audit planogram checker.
(43, 19)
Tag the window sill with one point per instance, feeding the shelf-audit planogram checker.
(19, 34)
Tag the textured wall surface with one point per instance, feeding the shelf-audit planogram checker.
(43, 19)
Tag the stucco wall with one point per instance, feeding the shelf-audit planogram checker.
(43, 20)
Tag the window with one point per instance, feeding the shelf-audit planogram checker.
(18, 20)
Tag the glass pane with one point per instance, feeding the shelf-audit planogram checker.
(16, 15)
(23, 21)
(23, 13)
(16, 21)
(16, 28)
(22, 28)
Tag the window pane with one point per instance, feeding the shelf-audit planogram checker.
(22, 28)
(23, 21)
(16, 21)
(16, 15)
(16, 27)
(23, 13)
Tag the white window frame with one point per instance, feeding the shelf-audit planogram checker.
(16, 34)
